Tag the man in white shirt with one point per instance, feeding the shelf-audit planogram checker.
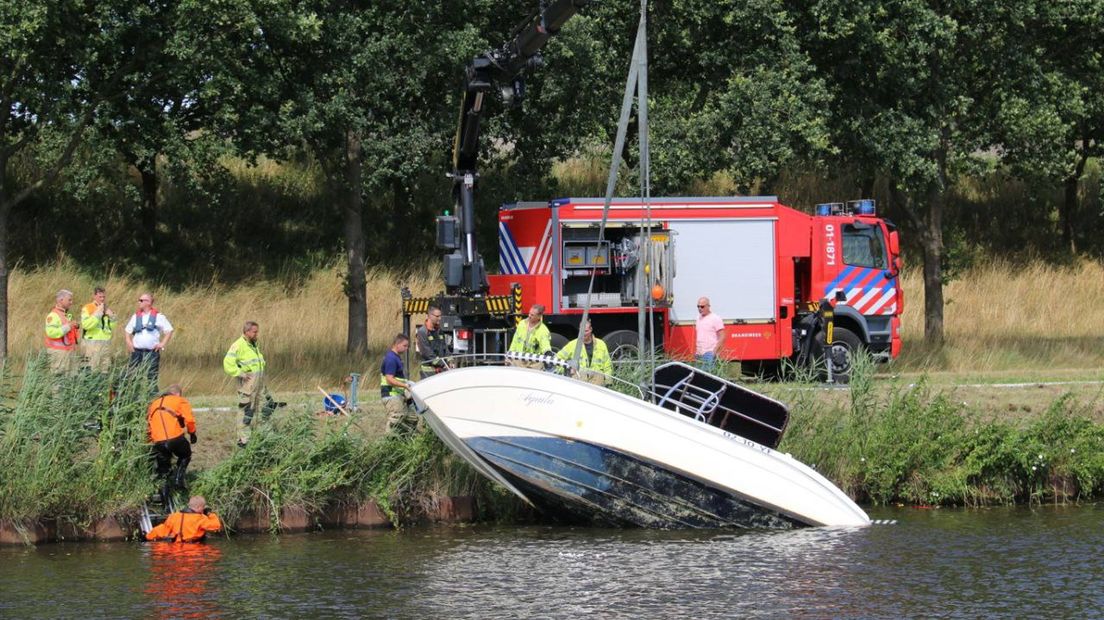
(147, 333)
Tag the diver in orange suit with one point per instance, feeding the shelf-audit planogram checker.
(169, 416)
(188, 525)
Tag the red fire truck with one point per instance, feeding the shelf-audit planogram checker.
(764, 266)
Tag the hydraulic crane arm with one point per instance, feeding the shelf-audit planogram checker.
(503, 69)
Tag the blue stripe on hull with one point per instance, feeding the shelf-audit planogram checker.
(577, 481)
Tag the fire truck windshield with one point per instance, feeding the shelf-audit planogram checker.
(863, 246)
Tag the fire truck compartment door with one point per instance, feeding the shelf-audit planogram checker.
(732, 262)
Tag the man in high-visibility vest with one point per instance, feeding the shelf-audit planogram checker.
(393, 386)
(431, 345)
(167, 418)
(532, 337)
(97, 320)
(594, 360)
(244, 362)
(189, 525)
(62, 333)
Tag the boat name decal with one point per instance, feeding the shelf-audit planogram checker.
(538, 399)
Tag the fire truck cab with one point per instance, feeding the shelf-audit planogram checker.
(765, 267)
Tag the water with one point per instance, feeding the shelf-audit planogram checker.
(1008, 562)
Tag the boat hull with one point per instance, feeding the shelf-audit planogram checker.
(583, 452)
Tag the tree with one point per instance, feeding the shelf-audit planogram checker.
(912, 91)
(1053, 121)
(62, 61)
(372, 91)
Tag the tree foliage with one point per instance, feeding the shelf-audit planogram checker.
(219, 140)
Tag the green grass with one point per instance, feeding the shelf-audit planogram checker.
(882, 441)
(915, 444)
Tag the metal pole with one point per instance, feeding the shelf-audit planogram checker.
(646, 190)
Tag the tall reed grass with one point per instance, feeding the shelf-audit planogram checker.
(67, 450)
(916, 444)
(296, 461)
(998, 317)
(303, 321)
(1001, 317)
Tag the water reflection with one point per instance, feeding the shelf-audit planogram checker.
(946, 563)
(182, 579)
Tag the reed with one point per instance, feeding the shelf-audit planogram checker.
(303, 321)
(999, 317)
(66, 450)
(916, 444)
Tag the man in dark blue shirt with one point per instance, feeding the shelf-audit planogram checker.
(393, 385)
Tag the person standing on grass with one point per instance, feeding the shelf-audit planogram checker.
(97, 321)
(393, 385)
(167, 418)
(148, 332)
(244, 362)
(709, 335)
(431, 345)
(62, 333)
(189, 525)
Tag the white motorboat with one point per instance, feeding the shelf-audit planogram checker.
(701, 456)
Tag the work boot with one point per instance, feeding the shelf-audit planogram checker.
(166, 495)
(181, 472)
(244, 423)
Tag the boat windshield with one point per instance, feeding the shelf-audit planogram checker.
(718, 402)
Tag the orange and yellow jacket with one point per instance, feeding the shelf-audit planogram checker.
(185, 526)
(168, 416)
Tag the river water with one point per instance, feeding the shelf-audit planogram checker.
(1006, 562)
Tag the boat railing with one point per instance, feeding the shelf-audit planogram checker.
(716, 401)
(546, 363)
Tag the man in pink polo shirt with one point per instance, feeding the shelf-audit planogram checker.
(709, 330)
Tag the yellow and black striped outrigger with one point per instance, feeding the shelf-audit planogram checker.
(474, 312)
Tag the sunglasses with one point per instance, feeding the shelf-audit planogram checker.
(703, 305)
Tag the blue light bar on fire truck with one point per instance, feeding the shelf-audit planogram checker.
(853, 207)
(861, 207)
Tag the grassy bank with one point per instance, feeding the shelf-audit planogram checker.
(68, 453)
(881, 441)
(916, 444)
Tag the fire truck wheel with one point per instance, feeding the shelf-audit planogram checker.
(845, 345)
(622, 344)
(557, 341)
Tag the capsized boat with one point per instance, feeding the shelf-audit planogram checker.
(701, 455)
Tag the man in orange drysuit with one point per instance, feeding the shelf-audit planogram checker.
(188, 525)
(169, 415)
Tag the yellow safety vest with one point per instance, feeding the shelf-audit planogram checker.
(56, 338)
(599, 360)
(243, 357)
(95, 327)
(537, 340)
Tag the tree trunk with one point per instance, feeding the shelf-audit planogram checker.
(1069, 205)
(355, 281)
(932, 240)
(148, 213)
